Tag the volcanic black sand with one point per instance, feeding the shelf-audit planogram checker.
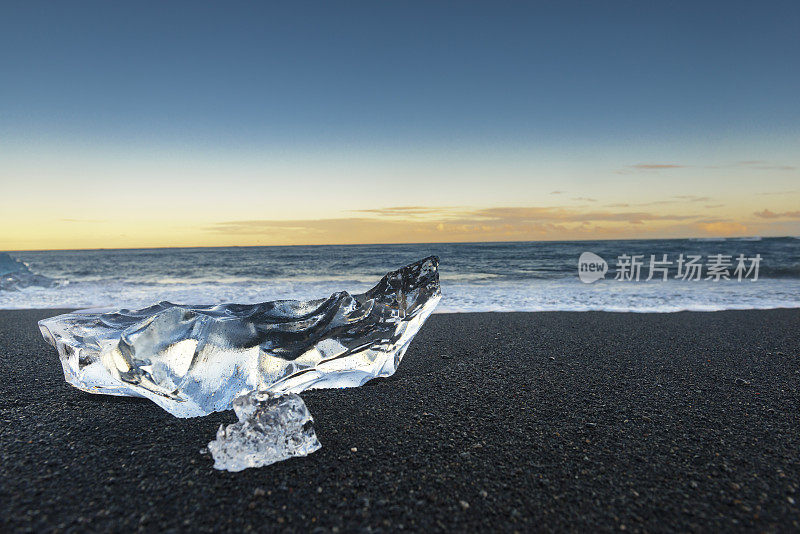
(515, 422)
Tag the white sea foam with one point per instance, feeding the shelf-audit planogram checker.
(474, 276)
(567, 294)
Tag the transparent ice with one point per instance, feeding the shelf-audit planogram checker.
(271, 428)
(194, 360)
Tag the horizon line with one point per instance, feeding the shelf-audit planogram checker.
(698, 238)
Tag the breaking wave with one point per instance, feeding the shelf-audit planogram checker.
(474, 276)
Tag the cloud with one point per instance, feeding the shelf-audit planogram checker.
(266, 227)
(521, 215)
(767, 214)
(763, 166)
(406, 211)
(756, 165)
(722, 228)
(585, 199)
(500, 219)
(655, 166)
(677, 199)
(691, 198)
(420, 224)
(445, 224)
(788, 192)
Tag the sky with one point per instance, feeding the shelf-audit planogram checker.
(154, 124)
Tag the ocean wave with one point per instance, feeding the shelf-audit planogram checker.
(475, 276)
(537, 295)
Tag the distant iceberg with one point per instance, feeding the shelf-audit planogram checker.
(15, 275)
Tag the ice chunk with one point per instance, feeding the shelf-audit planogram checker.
(194, 360)
(15, 275)
(271, 428)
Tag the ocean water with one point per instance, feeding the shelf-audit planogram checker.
(533, 276)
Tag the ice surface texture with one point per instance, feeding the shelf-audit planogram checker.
(271, 428)
(15, 275)
(194, 360)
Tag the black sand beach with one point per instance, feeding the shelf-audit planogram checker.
(511, 422)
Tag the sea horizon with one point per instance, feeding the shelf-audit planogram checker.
(697, 238)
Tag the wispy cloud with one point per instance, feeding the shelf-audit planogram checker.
(767, 214)
(755, 165)
(675, 199)
(648, 167)
(268, 227)
(691, 198)
(407, 224)
(722, 228)
(406, 211)
(540, 214)
(763, 166)
(788, 192)
(499, 222)
(656, 166)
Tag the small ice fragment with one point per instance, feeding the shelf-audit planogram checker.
(271, 428)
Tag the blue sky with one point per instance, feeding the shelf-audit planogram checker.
(565, 91)
(416, 73)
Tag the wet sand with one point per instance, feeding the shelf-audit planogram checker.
(507, 421)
